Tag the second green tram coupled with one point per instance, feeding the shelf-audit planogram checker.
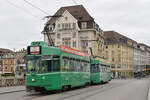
(54, 68)
(100, 72)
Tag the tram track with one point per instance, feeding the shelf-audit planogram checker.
(79, 93)
(33, 96)
(91, 92)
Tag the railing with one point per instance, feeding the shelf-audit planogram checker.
(11, 81)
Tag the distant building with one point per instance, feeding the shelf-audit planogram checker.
(7, 61)
(75, 28)
(12, 62)
(21, 62)
(119, 51)
(137, 58)
(145, 57)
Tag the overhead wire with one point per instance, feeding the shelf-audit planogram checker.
(25, 10)
(36, 7)
(74, 2)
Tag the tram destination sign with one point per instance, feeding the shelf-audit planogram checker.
(73, 51)
(34, 50)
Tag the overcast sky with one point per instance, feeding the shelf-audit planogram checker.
(20, 23)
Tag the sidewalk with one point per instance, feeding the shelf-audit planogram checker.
(11, 89)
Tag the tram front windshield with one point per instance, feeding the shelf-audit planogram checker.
(35, 64)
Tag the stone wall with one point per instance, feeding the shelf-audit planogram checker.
(11, 81)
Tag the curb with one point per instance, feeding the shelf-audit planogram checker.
(148, 97)
(148, 94)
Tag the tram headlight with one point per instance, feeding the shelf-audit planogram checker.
(33, 79)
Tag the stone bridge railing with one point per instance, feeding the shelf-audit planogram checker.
(11, 81)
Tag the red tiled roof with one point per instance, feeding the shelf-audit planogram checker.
(78, 11)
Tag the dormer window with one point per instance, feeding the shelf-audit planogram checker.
(84, 25)
(51, 27)
(66, 18)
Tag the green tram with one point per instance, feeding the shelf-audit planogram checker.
(55, 68)
(100, 72)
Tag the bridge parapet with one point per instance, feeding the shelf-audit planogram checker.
(11, 81)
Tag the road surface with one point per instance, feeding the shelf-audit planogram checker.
(128, 89)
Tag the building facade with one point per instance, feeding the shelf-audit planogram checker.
(119, 52)
(21, 63)
(8, 61)
(137, 58)
(76, 29)
(145, 57)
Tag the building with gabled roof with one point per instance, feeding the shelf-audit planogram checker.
(78, 11)
(74, 27)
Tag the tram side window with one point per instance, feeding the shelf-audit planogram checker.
(71, 64)
(43, 66)
(75, 65)
(56, 65)
(65, 64)
(105, 68)
(94, 68)
(101, 68)
(108, 68)
(46, 66)
(86, 66)
(78, 65)
(49, 65)
(97, 67)
(81, 66)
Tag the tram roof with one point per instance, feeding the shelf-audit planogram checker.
(49, 50)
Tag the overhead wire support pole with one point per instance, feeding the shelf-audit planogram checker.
(47, 30)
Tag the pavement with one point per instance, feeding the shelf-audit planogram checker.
(4, 90)
(128, 89)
